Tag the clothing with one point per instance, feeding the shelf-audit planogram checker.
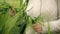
(49, 10)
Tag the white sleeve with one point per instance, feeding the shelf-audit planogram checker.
(54, 26)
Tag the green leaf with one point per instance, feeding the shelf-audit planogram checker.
(10, 23)
(29, 29)
(48, 28)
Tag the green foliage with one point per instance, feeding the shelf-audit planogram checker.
(20, 23)
(8, 24)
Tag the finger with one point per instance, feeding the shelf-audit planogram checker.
(39, 29)
(34, 25)
(38, 26)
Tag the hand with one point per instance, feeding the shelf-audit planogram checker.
(37, 27)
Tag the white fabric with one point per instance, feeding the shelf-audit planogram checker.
(54, 26)
(48, 10)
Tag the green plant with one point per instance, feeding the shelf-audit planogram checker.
(15, 20)
(9, 24)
